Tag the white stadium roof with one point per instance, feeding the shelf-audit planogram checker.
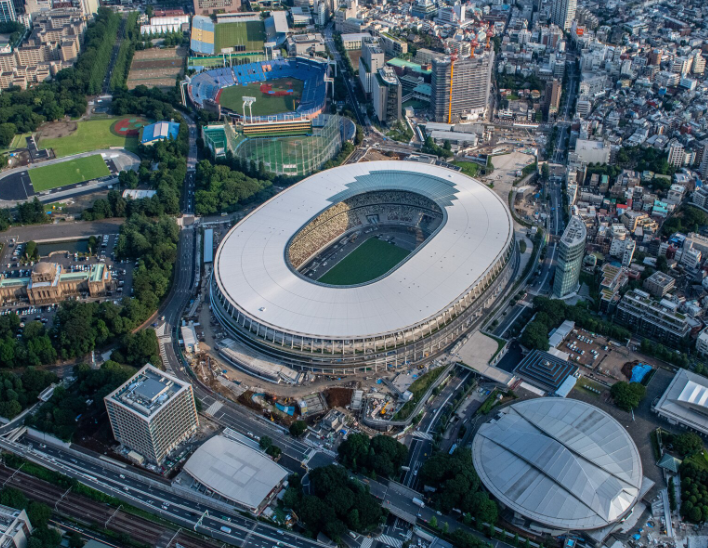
(253, 272)
(234, 471)
(562, 463)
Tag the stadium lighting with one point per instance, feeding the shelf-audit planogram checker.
(248, 102)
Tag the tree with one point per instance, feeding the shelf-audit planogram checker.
(687, 443)
(265, 443)
(298, 428)
(76, 540)
(433, 522)
(627, 396)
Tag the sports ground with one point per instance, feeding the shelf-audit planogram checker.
(67, 173)
(92, 135)
(245, 36)
(265, 105)
(367, 262)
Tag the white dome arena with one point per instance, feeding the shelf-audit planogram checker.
(464, 240)
(559, 462)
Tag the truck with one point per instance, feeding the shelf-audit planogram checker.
(226, 530)
(418, 502)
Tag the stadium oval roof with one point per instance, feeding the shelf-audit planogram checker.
(235, 471)
(253, 273)
(563, 463)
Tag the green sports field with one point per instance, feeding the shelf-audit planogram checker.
(249, 35)
(370, 260)
(66, 173)
(89, 135)
(232, 97)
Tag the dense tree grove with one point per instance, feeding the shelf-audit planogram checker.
(457, 485)
(219, 188)
(687, 443)
(19, 391)
(694, 492)
(550, 313)
(628, 395)
(32, 347)
(658, 350)
(121, 67)
(335, 503)
(84, 398)
(380, 455)
(689, 219)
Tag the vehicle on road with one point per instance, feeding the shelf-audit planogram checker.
(225, 529)
(418, 502)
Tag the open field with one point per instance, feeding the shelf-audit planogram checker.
(265, 105)
(67, 173)
(246, 36)
(157, 68)
(89, 135)
(370, 260)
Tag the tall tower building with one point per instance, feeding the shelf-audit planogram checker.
(463, 84)
(553, 97)
(564, 13)
(7, 11)
(571, 251)
(152, 413)
(371, 60)
(676, 156)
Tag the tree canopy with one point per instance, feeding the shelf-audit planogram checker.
(628, 395)
(382, 455)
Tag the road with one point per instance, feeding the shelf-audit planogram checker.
(159, 498)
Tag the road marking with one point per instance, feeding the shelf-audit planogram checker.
(214, 407)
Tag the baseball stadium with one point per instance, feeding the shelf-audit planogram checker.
(366, 266)
(278, 90)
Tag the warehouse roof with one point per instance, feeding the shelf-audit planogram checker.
(562, 463)
(234, 471)
(685, 401)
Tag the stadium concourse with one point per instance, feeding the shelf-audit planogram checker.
(412, 309)
(206, 86)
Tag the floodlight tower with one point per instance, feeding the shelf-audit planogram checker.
(248, 102)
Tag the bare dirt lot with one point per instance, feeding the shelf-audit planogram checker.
(156, 67)
(54, 130)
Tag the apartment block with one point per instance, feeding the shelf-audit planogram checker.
(659, 284)
(207, 7)
(461, 89)
(152, 413)
(660, 320)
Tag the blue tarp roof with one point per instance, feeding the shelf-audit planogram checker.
(159, 131)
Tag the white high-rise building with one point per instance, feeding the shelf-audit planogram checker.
(564, 13)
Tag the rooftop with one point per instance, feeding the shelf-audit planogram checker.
(147, 391)
(575, 233)
(686, 401)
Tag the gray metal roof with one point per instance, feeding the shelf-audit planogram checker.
(253, 273)
(563, 463)
(686, 401)
(234, 471)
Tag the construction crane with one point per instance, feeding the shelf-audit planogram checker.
(490, 33)
(453, 58)
(473, 46)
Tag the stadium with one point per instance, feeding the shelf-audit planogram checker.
(559, 465)
(364, 266)
(284, 89)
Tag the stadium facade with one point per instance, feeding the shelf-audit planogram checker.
(410, 314)
(558, 465)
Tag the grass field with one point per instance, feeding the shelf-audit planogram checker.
(232, 98)
(247, 36)
(89, 135)
(66, 173)
(468, 168)
(370, 260)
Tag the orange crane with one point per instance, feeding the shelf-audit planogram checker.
(474, 43)
(453, 58)
(490, 33)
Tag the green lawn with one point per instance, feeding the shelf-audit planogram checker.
(370, 260)
(68, 173)
(232, 98)
(250, 35)
(89, 135)
(468, 168)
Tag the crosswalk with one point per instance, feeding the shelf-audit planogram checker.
(423, 435)
(214, 408)
(390, 541)
(367, 542)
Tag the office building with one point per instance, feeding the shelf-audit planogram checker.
(371, 60)
(564, 13)
(7, 11)
(386, 95)
(207, 7)
(15, 528)
(424, 9)
(702, 343)
(571, 251)
(660, 320)
(460, 90)
(152, 413)
(553, 97)
(659, 284)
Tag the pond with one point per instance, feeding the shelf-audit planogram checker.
(73, 246)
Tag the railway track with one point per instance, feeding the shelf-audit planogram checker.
(93, 514)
